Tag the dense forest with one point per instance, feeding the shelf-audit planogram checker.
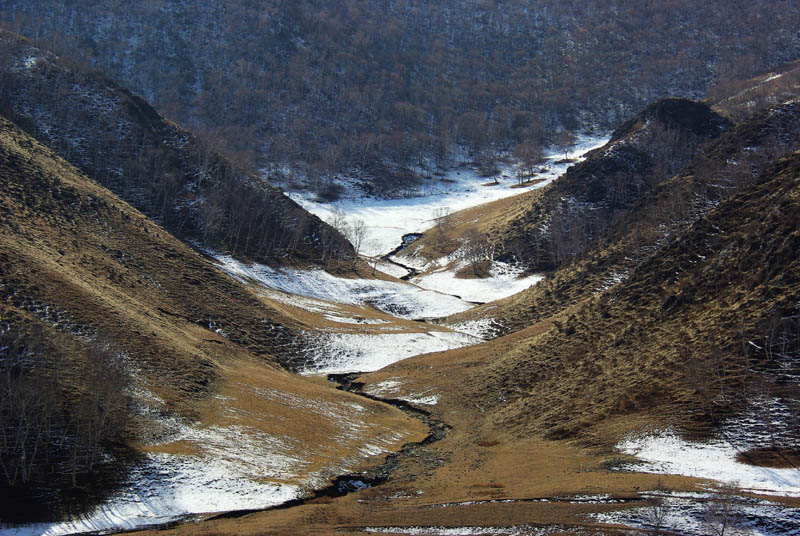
(306, 89)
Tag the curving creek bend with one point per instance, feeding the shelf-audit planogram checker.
(408, 239)
(377, 475)
(344, 484)
(353, 482)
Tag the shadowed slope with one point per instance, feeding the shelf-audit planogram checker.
(120, 141)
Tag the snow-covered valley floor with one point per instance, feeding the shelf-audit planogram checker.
(387, 220)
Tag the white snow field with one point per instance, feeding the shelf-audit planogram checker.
(337, 353)
(504, 280)
(402, 300)
(341, 351)
(667, 453)
(387, 220)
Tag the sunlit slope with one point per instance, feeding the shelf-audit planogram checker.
(204, 351)
(683, 341)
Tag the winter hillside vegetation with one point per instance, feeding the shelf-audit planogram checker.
(391, 92)
(417, 268)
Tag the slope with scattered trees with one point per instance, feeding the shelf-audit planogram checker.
(185, 184)
(548, 228)
(732, 162)
(113, 332)
(380, 87)
(692, 335)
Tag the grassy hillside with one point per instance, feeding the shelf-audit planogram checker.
(691, 338)
(672, 340)
(185, 184)
(680, 340)
(733, 161)
(92, 290)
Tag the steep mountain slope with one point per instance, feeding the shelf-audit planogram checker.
(578, 207)
(730, 163)
(117, 139)
(548, 228)
(681, 340)
(692, 336)
(674, 340)
(375, 85)
(92, 290)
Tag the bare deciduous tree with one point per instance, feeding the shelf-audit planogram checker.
(721, 512)
(441, 228)
(356, 233)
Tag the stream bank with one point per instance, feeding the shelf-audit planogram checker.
(355, 482)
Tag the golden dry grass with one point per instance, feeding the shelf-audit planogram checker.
(68, 245)
(589, 367)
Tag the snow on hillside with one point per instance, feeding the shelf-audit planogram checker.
(698, 514)
(353, 352)
(504, 280)
(399, 299)
(387, 220)
(669, 454)
(394, 388)
(235, 468)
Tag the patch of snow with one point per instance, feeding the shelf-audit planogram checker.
(419, 263)
(397, 298)
(688, 513)
(612, 279)
(387, 220)
(357, 320)
(391, 269)
(484, 328)
(168, 487)
(666, 453)
(386, 388)
(430, 400)
(391, 388)
(329, 353)
(771, 78)
(503, 281)
(235, 468)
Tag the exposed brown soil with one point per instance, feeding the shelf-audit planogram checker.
(527, 183)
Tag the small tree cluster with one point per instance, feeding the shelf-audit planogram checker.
(354, 230)
(477, 251)
(59, 413)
